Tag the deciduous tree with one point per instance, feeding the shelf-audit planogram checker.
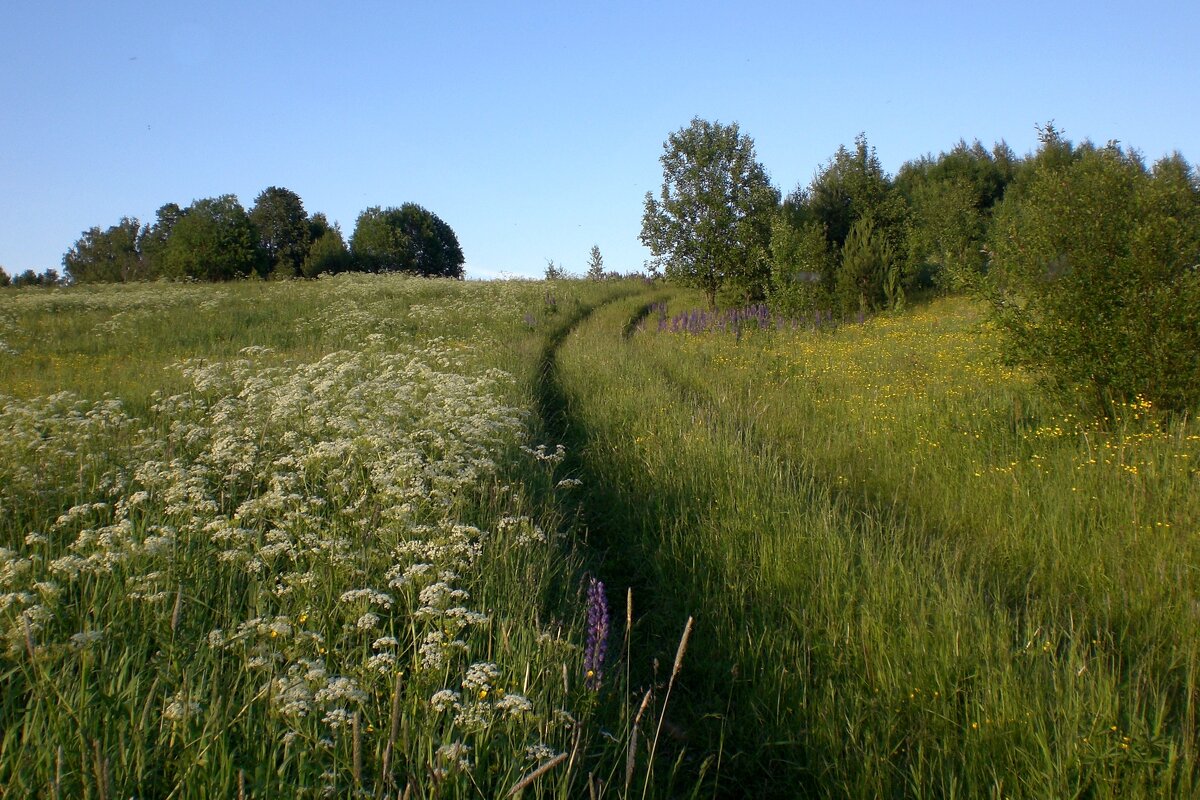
(107, 256)
(1095, 273)
(327, 253)
(213, 240)
(406, 239)
(711, 223)
(283, 229)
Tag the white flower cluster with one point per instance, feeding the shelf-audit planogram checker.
(300, 522)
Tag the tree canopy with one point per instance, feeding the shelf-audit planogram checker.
(1094, 274)
(110, 255)
(406, 239)
(283, 229)
(216, 239)
(711, 223)
(213, 240)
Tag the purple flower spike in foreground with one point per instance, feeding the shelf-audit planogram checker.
(597, 635)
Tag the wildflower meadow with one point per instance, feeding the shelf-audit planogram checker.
(381, 536)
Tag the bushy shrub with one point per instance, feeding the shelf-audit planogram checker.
(1094, 277)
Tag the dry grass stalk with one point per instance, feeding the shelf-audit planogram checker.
(393, 732)
(683, 643)
(356, 729)
(528, 780)
(631, 750)
(178, 609)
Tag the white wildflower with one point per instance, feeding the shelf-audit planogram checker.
(480, 676)
(514, 705)
(540, 752)
(382, 663)
(444, 699)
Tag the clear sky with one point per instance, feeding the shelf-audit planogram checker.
(534, 129)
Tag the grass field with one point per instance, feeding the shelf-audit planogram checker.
(318, 538)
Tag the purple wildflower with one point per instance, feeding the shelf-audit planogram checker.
(597, 634)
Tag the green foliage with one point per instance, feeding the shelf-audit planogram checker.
(213, 240)
(406, 239)
(30, 278)
(283, 229)
(595, 270)
(950, 202)
(154, 238)
(112, 255)
(5, 280)
(866, 262)
(326, 254)
(801, 266)
(711, 224)
(852, 185)
(1094, 274)
(850, 189)
(378, 244)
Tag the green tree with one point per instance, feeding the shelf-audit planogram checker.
(711, 224)
(595, 270)
(283, 229)
(1094, 273)
(951, 200)
(318, 226)
(152, 242)
(800, 261)
(947, 232)
(406, 239)
(112, 255)
(867, 262)
(213, 239)
(327, 253)
(851, 186)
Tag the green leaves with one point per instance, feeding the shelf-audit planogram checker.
(111, 255)
(711, 223)
(1093, 274)
(213, 240)
(283, 229)
(406, 239)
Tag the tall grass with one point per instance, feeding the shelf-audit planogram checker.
(318, 538)
(288, 540)
(911, 573)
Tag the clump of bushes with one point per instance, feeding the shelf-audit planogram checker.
(1094, 275)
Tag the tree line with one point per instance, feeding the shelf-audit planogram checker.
(216, 239)
(1086, 256)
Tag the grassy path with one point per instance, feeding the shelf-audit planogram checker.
(869, 621)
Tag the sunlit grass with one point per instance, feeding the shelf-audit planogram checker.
(914, 573)
(288, 540)
(910, 572)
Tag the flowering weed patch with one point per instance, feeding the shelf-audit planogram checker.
(315, 571)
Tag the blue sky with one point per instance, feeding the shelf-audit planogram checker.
(534, 129)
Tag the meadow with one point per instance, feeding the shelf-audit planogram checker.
(346, 538)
